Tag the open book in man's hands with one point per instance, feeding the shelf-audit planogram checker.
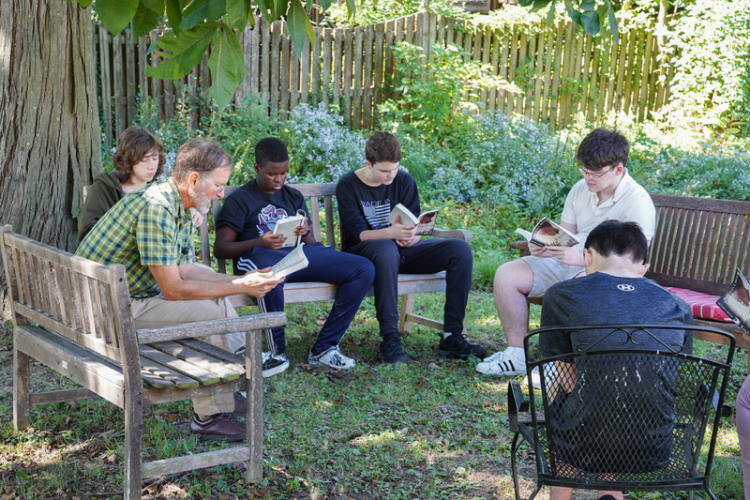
(293, 262)
(548, 234)
(287, 226)
(736, 302)
(425, 222)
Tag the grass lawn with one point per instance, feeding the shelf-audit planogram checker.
(431, 430)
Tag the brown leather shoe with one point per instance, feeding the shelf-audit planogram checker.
(217, 427)
(240, 404)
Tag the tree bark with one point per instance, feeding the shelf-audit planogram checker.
(50, 141)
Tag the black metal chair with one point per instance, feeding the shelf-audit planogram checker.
(631, 418)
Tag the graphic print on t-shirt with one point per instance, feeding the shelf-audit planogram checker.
(267, 218)
(376, 213)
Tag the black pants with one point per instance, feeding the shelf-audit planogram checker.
(425, 257)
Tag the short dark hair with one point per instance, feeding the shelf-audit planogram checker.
(133, 144)
(621, 238)
(270, 149)
(199, 155)
(603, 148)
(382, 146)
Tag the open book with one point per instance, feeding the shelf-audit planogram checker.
(736, 302)
(293, 262)
(425, 222)
(287, 226)
(548, 234)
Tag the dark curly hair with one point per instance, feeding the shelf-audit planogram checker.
(382, 146)
(603, 148)
(132, 145)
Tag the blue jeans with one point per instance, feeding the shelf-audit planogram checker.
(353, 275)
(425, 257)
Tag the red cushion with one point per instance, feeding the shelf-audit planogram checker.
(702, 305)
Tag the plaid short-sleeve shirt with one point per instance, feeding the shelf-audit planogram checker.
(147, 228)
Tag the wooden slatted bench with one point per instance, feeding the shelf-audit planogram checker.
(74, 316)
(697, 245)
(408, 284)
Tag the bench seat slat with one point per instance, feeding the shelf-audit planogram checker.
(212, 350)
(188, 370)
(226, 371)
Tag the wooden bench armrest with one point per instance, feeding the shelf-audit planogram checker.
(213, 327)
(522, 247)
(461, 234)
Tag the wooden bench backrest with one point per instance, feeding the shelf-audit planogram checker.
(699, 242)
(84, 301)
(312, 192)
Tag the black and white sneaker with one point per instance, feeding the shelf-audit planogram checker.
(457, 346)
(332, 357)
(274, 364)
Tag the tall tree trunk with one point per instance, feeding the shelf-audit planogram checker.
(49, 123)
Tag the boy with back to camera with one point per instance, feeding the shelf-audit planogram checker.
(614, 292)
(606, 192)
(245, 233)
(366, 198)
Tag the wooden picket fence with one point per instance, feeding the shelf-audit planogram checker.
(561, 71)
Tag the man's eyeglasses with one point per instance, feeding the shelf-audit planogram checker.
(220, 188)
(596, 177)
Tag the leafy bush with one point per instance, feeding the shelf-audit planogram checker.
(322, 149)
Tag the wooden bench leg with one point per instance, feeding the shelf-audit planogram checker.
(133, 445)
(407, 307)
(254, 415)
(21, 389)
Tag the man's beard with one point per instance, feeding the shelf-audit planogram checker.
(200, 201)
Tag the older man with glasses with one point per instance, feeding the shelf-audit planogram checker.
(606, 192)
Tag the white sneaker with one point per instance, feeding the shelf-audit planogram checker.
(332, 357)
(550, 373)
(502, 364)
(494, 357)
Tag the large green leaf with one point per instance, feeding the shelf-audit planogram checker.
(590, 22)
(539, 4)
(115, 15)
(182, 52)
(174, 14)
(237, 13)
(144, 21)
(201, 11)
(227, 66)
(588, 5)
(154, 5)
(299, 26)
(613, 24)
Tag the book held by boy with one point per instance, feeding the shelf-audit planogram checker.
(293, 262)
(548, 234)
(736, 302)
(287, 226)
(425, 222)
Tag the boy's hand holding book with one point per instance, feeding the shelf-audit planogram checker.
(271, 241)
(404, 234)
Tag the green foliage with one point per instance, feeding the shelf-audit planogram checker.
(709, 46)
(435, 96)
(198, 24)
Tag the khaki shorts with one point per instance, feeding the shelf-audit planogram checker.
(548, 271)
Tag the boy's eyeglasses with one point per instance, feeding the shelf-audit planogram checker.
(596, 177)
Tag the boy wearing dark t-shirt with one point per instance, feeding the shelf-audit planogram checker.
(614, 292)
(245, 233)
(366, 198)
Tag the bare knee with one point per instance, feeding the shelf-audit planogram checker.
(513, 276)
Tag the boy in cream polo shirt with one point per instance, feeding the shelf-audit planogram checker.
(606, 192)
